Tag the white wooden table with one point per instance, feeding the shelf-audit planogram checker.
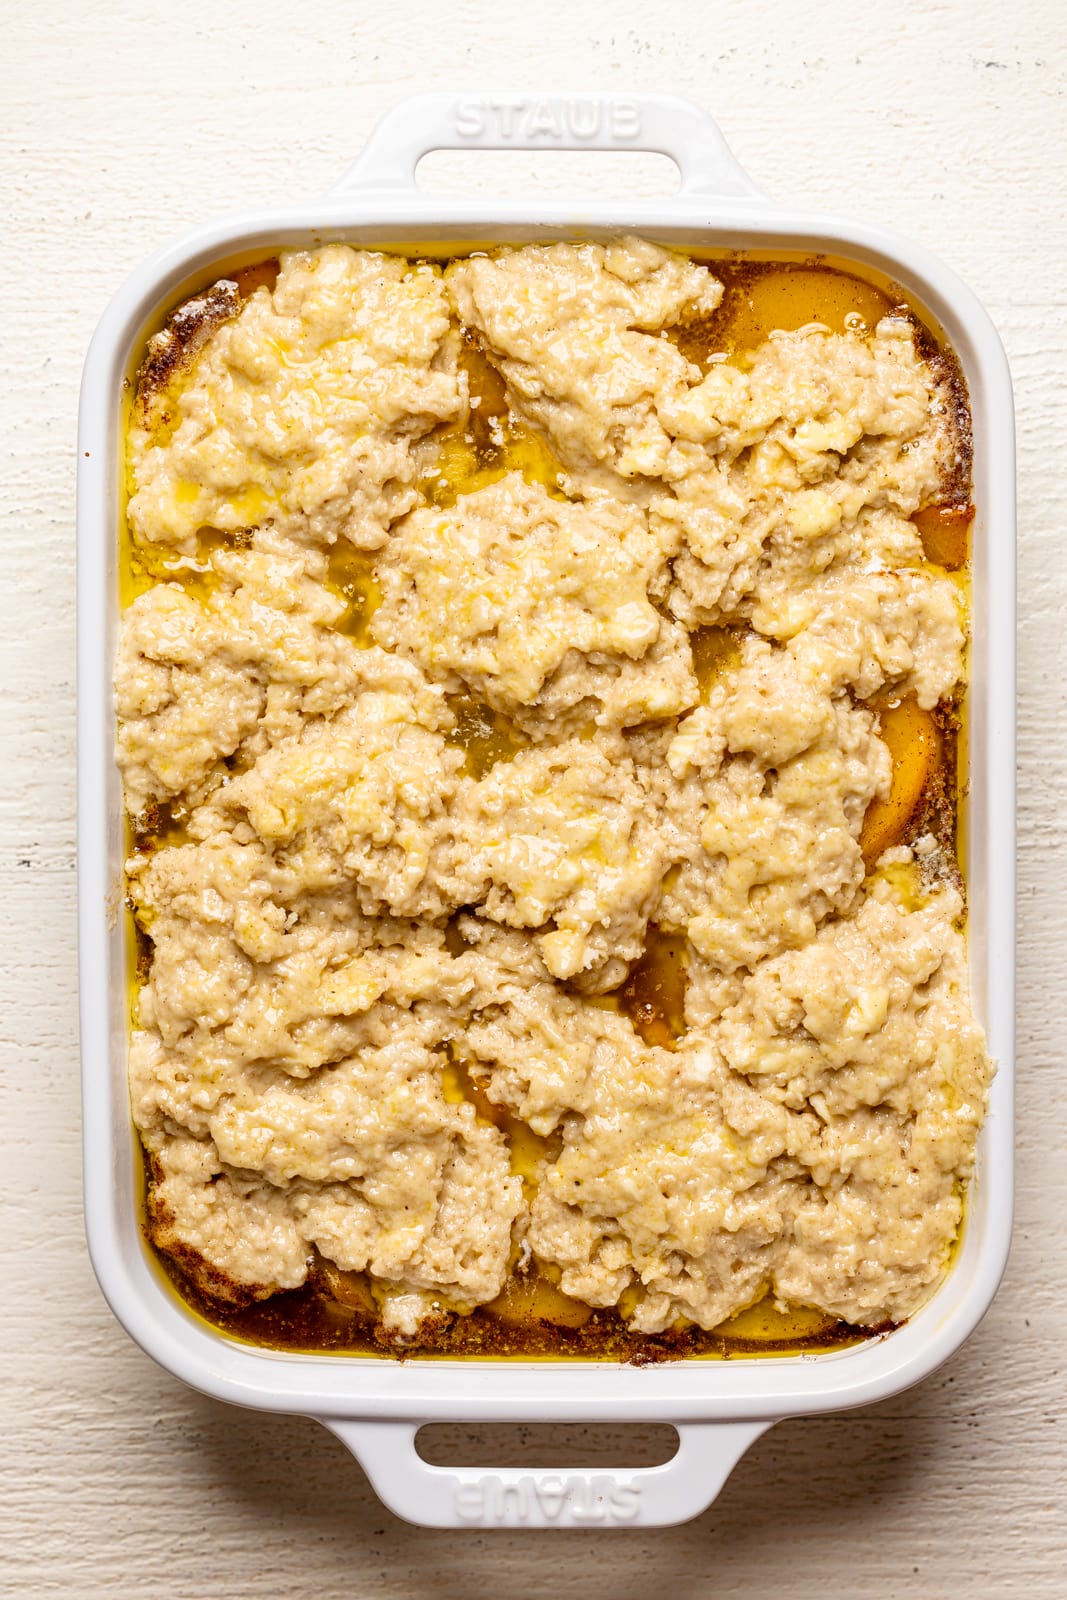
(119, 126)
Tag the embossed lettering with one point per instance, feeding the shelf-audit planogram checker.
(583, 118)
(575, 1501)
(552, 121)
(506, 113)
(470, 119)
(551, 1496)
(470, 1501)
(587, 1500)
(513, 1495)
(543, 119)
(625, 119)
(625, 1501)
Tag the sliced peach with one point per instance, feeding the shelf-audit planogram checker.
(764, 1323)
(788, 297)
(914, 748)
(349, 1288)
(946, 534)
(535, 1298)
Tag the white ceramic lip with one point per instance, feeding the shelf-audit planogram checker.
(718, 208)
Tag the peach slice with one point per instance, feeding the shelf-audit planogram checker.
(914, 748)
(946, 533)
(535, 1298)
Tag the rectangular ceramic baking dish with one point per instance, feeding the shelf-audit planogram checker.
(377, 1405)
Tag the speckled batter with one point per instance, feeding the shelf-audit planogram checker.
(678, 649)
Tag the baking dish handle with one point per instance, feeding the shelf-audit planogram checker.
(662, 123)
(537, 1497)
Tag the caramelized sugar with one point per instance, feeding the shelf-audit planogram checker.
(335, 1313)
(259, 275)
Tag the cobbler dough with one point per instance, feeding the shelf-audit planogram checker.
(548, 606)
(304, 410)
(351, 909)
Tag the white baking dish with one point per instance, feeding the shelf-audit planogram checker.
(377, 1405)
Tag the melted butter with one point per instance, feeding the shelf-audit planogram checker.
(139, 953)
(715, 652)
(485, 736)
(145, 565)
(761, 298)
(914, 743)
(161, 415)
(653, 995)
(350, 575)
(160, 824)
(491, 442)
(454, 1085)
(906, 882)
(528, 1150)
(251, 505)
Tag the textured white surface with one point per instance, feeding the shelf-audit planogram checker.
(120, 127)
